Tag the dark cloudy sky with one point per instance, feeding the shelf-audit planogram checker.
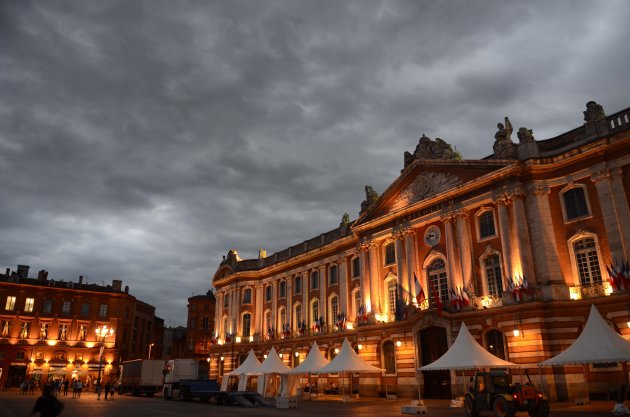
(141, 140)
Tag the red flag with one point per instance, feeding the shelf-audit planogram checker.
(436, 299)
(420, 297)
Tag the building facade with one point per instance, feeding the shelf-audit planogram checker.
(516, 245)
(47, 328)
(200, 329)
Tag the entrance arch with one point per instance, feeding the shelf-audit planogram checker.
(433, 344)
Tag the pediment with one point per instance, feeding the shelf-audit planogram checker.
(426, 179)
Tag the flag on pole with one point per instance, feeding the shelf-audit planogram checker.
(420, 297)
(465, 297)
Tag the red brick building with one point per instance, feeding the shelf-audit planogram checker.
(200, 328)
(515, 245)
(47, 327)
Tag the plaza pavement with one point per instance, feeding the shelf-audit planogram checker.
(12, 404)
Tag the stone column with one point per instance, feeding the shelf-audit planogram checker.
(410, 255)
(289, 295)
(323, 283)
(366, 287)
(506, 238)
(614, 208)
(465, 252)
(218, 314)
(306, 309)
(523, 242)
(375, 280)
(454, 271)
(545, 251)
(274, 305)
(401, 259)
(620, 199)
(259, 310)
(342, 273)
(237, 310)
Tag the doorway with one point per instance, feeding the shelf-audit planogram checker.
(433, 342)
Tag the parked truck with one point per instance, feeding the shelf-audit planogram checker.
(141, 376)
(183, 381)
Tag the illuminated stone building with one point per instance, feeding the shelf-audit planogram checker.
(47, 327)
(522, 237)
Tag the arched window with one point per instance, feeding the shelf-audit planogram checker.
(314, 280)
(494, 275)
(357, 300)
(247, 324)
(268, 324)
(392, 295)
(315, 310)
(495, 344)
(298, 285)
(575, 205)
(587, 261)
(486, 224)
(389, 357)
(390, 254)
(247, 296)
(334, 307)
(283, 289)
(283, 318)
(298, 315)
(438, 279)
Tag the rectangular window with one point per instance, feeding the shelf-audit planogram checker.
(47, 308)
(268, 293)
(28, 305)
(575, 203)
(298, 285)
(191, 344)
(247, 325)
(82, 332)
(226, 301)
(102, 310)
(315, 280)
(334, 279)
(486, 225)
(26, 327)
(65, 307)
(10, 305)
(247, 296)
(390, 254)
(85, 309)
(283, 289)
(356, 267)
(43, 331)
(6, 329)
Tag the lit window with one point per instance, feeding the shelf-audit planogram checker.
(392, 294)
(26, 327)
(28, 305)
(63, 332)
(390, 254)
(438, 279)
(247, 324)
(486, 225)
(315, 310)
(334, 307)
(43, 331)
(102, 310)
(82, 332)
(493, 275)
(298, 314)
(587, 261)
(10, 305)
(575, 203)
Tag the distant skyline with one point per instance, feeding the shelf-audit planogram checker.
(142, 140)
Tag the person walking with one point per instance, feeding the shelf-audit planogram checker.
(112, 390)
(66, 384)
(79, 388)
(106, 390)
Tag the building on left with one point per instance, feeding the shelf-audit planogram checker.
(48, 328)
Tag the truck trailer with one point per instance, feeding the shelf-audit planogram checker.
(141, 376)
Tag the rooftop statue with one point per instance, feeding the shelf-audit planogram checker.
(525, 135)
(505, 131)
(593, 112)
(370, 197)
(429, 149)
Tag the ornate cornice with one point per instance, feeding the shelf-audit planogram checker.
(601, 176)
(538, 189)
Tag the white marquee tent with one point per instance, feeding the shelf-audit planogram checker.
(311, 364)
(598, 343)
(466, 353)
(269, 384)
(247, 369)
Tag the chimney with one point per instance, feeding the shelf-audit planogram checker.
(116, 284)
(22, 271)
(8, 272)
(80, 279)
(126, 289)
(41, 274)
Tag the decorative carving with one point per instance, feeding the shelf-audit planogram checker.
(538, 189)
(398, 232)
(593, 112)
(600, 176)
(425, 185)
(231, 259)
(525, 135)
(364, 244)
(508, 194)
(370, 197)
(429, 149)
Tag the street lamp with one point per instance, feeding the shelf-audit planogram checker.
(101, 334)
(150, 347)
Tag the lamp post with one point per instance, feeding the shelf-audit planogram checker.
(150, 348)
(101, 334)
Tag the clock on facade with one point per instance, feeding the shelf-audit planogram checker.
(432, 235)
